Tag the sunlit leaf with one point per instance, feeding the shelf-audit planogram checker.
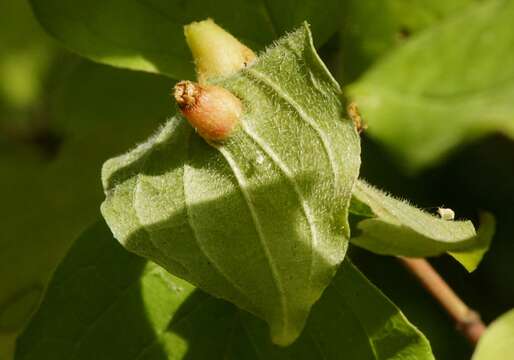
(390, 226)
(497, 342)
(252, 220)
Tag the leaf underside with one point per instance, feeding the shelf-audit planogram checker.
(388, 226)
(136, 310)
(252, 220)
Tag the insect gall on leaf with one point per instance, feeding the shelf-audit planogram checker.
(212, 110)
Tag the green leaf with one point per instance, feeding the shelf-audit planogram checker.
(240, 218)
(389, 226)
(105, 303)
(497, 342)
(451, 84)
(389, 275)
(46, 205)
(26, 55)
(373, 28)
(149, 36)
(95, 97)
(470, 257)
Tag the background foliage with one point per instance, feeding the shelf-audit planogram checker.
(434, 79)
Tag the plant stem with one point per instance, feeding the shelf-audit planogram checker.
(467, 320)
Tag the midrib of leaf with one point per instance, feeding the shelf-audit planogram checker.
(258, 227)
(225, 177)
(156, 11)
(262, 78)
(287, 173)
(216, 266)
(231, 335)
(255, 348)
(368, 337)
(265, 80)
(104, 312)
(116, 42)
(316, 344)
(271, 18)
(190, 223)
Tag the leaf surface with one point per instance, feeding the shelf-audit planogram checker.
(26, 58)
(47, 204)
(238, 219)
(390, 226)
(106, 303)
(497, 342)
(371, 29)
(147, 34)
(449, 85)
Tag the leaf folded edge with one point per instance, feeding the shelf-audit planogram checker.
(389, 226)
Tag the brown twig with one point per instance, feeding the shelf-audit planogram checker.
(468, 321)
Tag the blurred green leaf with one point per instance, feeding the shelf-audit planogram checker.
(389, 226)
(449, 85)
(497, 342)
(372, 28)
(15, 306)
(105, 303)
(186, 205)
(147, 35)
(45, 206)
(26, 56)
(95, 96)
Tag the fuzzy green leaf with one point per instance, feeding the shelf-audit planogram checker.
(105, 303)
(253, 220)
(452, 83)
(497, 343)
(147, 35)
(389, 226)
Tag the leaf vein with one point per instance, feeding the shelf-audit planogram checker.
(368, 337)
(258, 227)
(198, 242)
(264, 79)
(287, 172)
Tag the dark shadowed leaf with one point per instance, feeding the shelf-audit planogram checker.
(147, 35)
(47, 204)
(105, 303)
